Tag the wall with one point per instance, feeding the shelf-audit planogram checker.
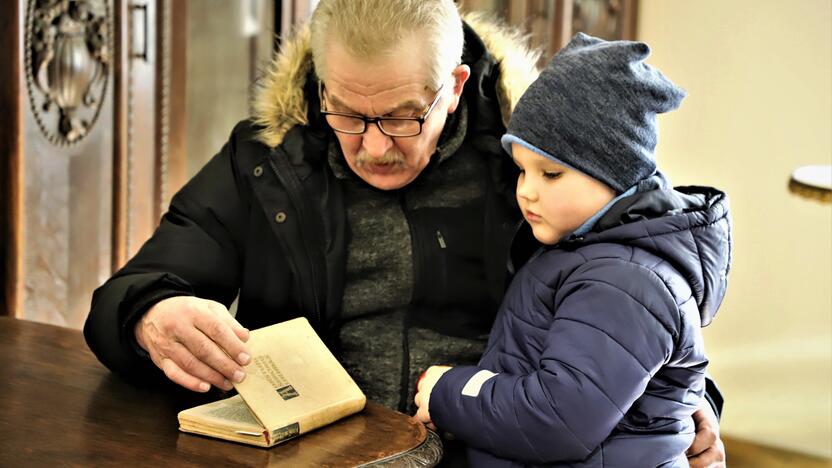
(759, 78)
(229, 45)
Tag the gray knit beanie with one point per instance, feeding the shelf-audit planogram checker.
(593, 108)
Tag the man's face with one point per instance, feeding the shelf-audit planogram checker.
(393, 87)
(555, 200)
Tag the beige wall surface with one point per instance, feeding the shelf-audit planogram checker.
(759, 80)
(229, 45)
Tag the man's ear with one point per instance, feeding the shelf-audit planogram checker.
(461, 74)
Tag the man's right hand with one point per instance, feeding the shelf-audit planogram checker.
(191, 340)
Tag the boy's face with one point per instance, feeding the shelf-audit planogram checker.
(555, 200)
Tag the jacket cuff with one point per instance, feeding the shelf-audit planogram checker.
(714, 397)
(132, 310)
(445, 403)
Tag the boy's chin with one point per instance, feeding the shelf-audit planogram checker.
(545, 234)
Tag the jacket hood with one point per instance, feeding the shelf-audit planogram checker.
(690, 227)
(281, 101)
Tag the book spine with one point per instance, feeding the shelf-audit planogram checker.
(282, 434)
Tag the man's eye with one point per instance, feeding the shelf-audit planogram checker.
(551, 175)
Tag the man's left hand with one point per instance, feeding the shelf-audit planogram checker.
(423, 389)
(707, 450)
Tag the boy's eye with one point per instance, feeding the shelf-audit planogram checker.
(551, 175)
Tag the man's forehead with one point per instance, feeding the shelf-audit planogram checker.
(380, 98)
(400, 72)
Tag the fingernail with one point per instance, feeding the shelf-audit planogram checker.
(239, 376)
(243, 358)
(226, 385)
(204, 386)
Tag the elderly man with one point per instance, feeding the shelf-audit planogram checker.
(369, 193)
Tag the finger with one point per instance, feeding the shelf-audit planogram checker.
(420, 379)
(243, 335)
(177, 375)
(242, 332)
(704, 439)
(700, 418)
(711, 458)
(190, 364)
(207, 351)
(422, 416)
(222, 312)
(218, 326)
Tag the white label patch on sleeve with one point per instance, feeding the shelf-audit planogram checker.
(474, 384)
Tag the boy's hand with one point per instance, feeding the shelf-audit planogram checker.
(707, 450)
(423, 388)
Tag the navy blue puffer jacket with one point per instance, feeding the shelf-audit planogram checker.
(597, 347)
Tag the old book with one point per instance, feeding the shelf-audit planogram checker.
(293, 385)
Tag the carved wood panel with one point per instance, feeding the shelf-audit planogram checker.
(67, 163)
(93, 91)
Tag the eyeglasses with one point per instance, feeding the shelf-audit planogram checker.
(355, 124)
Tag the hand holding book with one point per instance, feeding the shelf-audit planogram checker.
(293, 385)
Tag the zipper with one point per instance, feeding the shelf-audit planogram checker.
(293, 189)
(404, 382)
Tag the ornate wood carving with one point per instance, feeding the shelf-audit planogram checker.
(67, 46)
(65, 207)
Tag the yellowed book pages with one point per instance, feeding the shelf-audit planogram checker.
(293, 385)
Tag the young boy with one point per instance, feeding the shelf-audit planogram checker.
(596, 356)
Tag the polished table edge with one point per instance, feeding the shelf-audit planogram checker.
(428, 453)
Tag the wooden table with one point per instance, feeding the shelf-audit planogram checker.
(60, 407)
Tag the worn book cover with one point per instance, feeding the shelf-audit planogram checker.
(293, 385)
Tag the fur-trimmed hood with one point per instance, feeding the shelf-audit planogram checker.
(280, 103)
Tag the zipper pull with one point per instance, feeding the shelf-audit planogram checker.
(441, 240)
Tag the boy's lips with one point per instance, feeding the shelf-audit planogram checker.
(532, 217)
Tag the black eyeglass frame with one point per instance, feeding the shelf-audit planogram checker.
(377, 120)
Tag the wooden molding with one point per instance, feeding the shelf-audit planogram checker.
(171, 126)
(120, 137)
(178, 124)
(563, 24)
(629, 28)
(11, 159)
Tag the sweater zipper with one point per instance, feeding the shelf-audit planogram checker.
(293, 190)
(404, 382)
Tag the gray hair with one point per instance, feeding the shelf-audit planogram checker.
(373, 29)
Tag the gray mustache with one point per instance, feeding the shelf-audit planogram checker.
(393, 156)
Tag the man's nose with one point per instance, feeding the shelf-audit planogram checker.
(374, 142)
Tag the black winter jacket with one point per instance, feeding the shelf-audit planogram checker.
(268, 223)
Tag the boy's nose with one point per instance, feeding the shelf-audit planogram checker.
(526, 189)
(374, 142)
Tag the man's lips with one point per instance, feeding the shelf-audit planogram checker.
(381, 169)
